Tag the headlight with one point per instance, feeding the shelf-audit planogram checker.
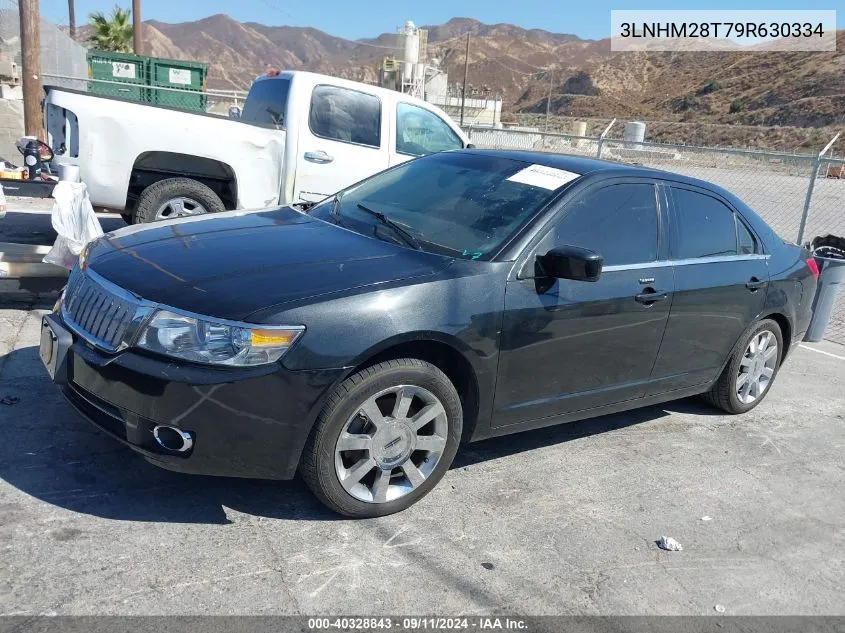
(213, 342)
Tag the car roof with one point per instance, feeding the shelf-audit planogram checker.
(587, 166)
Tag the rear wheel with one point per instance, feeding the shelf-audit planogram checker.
(384, 439)
(176, 198)
(751, 370)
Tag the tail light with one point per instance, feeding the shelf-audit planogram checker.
(813, 266)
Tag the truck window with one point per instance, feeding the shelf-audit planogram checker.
(267, 102)
(420, 132)
(345, 115)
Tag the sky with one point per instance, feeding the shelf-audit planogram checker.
(367, 18)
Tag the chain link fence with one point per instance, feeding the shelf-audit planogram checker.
(60, 55)
(775, 184)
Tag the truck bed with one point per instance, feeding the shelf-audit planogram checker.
(114, 141)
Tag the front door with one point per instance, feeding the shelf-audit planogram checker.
(567, 345)
(721, 279)
(345, 141)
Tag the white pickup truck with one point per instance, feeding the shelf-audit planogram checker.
(301, 137)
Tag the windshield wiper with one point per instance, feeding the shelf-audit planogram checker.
(397, 228)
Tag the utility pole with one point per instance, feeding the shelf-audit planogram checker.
(71, 19)
(31, 66)
(549, 99)
(136, 27)
(464, 89)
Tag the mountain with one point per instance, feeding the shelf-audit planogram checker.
(761, 89)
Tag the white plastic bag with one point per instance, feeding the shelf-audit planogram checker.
(74, 220)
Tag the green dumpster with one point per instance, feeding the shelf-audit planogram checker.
(178, 83)
(118, 75)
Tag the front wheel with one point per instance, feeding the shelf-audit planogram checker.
(750, 371)
(384, 439)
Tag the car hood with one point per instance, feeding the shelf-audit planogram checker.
(233, 264)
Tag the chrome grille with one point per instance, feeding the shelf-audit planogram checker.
(97, 312)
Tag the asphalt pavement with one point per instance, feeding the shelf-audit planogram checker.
(557, 521)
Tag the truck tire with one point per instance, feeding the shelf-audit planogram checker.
(175, 198)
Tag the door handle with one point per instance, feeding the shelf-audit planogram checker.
(650, 296)
(318, 157)
(754, 284)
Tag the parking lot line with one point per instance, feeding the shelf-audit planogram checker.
(813, 349)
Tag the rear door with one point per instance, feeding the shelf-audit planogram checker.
(419, 131)
(569, 346)
(343, 141)
(721, 280)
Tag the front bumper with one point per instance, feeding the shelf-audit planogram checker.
(244, 422)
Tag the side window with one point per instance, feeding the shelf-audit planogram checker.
(747, 243)
(620, 222)
(706, 226)
(345, 115)
(420, 132)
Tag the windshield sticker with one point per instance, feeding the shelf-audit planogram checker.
(544, 177)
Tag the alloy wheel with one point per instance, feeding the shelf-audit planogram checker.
(179, 208)
(757, 367)
(391, 444)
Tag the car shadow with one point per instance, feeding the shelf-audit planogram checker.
(51, 453)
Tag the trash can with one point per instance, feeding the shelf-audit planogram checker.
(831, 263)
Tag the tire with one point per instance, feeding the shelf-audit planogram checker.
(725, 394)
(324, 462)
(153, 198)
(127, 217)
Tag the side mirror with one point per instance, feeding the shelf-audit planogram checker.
(570, 262)
(45, 152)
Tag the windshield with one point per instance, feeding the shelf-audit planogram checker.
(459, 203)
(267, 101)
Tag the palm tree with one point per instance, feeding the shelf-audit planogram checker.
(114, 33)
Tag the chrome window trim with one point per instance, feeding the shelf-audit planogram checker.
(685, 262)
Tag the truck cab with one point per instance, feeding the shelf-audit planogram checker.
(348, 131)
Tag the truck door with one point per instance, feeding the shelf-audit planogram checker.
(344, 141)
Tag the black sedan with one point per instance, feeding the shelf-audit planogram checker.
(459, 296)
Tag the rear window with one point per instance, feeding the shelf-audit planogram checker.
(267, 102)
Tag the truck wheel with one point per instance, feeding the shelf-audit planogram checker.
(175, 198)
